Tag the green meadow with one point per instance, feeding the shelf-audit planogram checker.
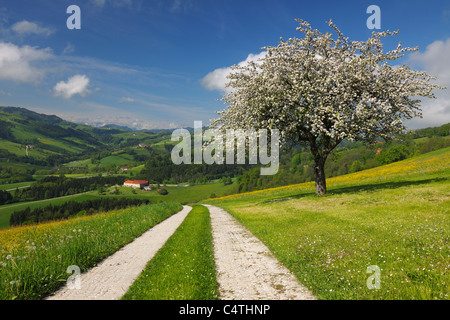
(394, 217)
(184, 268)
(34, 260)
(181, 194)
(15, 185)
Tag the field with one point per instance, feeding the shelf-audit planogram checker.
(118, 160)
(394, 217)
(15, 185)
(34, 260)
(183, 195)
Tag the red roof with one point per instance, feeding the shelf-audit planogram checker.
(137, 181)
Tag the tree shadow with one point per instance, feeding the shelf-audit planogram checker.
(384, 185)
(359, 188)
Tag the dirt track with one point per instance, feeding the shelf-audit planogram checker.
(246, 269)
(112, 278)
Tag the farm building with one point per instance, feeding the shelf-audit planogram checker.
(136, 184)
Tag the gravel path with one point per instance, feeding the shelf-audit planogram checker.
(112, 278)
(246, 269)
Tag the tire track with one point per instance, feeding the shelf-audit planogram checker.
(246, 269)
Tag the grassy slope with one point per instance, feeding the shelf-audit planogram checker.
(27, 126)
(394, 217)
(38, 256)
(15, 185)
(7, 210)
(118, 160)
(28, 132)
(184, 268)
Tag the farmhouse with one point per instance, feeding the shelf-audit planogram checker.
(136, 184)
(125, 168)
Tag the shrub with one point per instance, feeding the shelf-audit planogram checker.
(394, 154)
(356, 166)
(163, 192)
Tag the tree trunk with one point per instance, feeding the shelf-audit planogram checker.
(319, 174)
(320, 155)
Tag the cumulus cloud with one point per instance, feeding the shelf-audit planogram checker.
(16, 62)
(217, 79)
(27, 28)
(77, 84)
(435, 60)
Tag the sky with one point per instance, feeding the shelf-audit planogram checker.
(154, 64)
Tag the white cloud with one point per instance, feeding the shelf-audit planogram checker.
(26, 28)
(99, 115)
(176, 6)
(217, 79)
(16, 62)
(435, 60)
(77, 84)
(126, 99)
(69, 48)
(99, 3)
(114, 3)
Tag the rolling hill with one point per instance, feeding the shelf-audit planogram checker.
(44, 141)
(45, 135)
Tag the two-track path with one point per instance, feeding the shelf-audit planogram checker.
(112, 278)
(246, 269)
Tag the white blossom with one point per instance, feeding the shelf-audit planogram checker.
(320, 90)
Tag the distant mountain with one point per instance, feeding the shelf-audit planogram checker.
(119, 127)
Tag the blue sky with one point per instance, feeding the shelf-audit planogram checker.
(161, 63)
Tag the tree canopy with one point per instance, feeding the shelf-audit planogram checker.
(319, 90)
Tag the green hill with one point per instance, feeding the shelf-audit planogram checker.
(31, 143)
(46, 136)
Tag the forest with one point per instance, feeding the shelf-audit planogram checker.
(161, 169)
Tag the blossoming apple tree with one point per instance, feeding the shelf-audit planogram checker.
(319, 90)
